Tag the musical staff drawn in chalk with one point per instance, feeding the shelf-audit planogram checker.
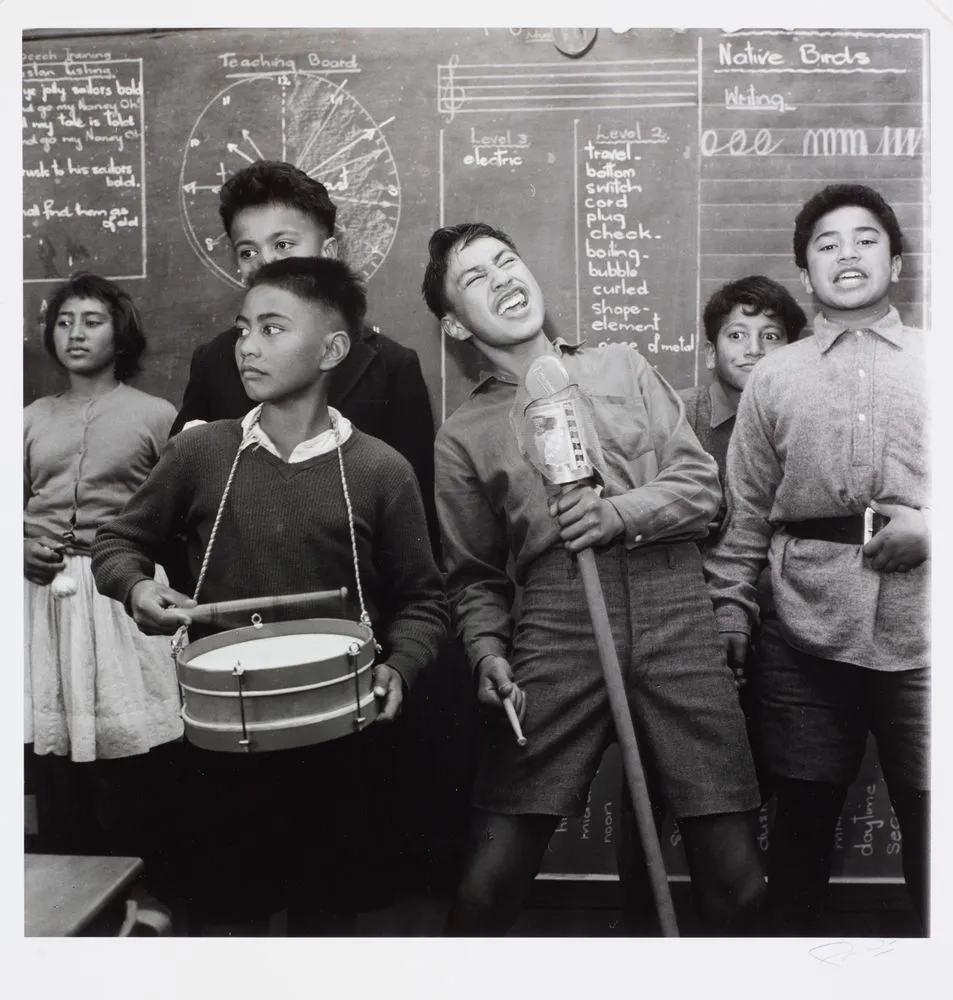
(630, 83)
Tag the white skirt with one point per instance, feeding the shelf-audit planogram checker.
(95, 686)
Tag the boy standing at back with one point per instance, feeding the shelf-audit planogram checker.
(660, 491)
(744, 321)
(306, 502)
(827, 428)
(271, 211)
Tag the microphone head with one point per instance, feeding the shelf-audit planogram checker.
(546, 376)
(556, 426)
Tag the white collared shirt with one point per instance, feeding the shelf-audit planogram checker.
(321, 444)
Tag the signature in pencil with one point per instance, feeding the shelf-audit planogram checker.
(840, 952)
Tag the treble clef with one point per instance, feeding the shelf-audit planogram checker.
(451, 97)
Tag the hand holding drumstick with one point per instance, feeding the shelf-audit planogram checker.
(495, 686)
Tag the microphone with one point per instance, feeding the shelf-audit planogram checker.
(557, 435)
(556, 430)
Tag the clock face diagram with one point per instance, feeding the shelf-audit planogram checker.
(314, 123)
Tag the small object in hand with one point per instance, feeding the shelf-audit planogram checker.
(63, 585)
(514, 721)
(873, 522)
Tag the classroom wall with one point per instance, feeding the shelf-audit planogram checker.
(636, 179)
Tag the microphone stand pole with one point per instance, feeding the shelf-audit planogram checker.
(625, 731)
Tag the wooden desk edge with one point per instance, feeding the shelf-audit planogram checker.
(96, 882)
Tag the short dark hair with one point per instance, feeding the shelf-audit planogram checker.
(324, 280)
(128, 336)
(756, 294)
(271, 182)
(836, 196)
(441, 243)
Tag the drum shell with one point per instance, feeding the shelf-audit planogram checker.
(284, 705)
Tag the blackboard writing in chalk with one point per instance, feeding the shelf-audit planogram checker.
(635, 178)
(630, 241)
(867, 840)
(83, 168)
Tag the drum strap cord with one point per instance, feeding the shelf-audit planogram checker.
(365, 617)
(178, 640)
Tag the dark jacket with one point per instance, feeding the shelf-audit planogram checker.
(379, 387)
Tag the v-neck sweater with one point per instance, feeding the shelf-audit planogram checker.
(284, 530)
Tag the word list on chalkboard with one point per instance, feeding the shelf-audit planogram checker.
(83, 166)
(629, 240)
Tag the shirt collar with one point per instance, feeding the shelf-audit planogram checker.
(488, 375)
(320, 444)
(723, 407)
(890, 327)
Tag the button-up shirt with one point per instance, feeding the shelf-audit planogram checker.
(492, 504)
(825, 425)
(710, 411)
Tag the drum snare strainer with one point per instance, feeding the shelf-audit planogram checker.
(278, 685)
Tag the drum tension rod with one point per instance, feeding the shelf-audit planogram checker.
(352, 654)
(237, 671)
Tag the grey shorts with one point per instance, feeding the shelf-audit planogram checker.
(685, 708)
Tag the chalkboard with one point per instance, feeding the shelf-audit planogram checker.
(635, 179)
(867, 840)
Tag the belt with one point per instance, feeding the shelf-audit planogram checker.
(847, 530)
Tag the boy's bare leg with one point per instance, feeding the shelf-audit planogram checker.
(504, 856)
(725, 868)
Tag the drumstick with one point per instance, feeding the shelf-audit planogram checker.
(514, 720)
(209, 614)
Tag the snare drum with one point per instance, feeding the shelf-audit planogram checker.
(279, 685)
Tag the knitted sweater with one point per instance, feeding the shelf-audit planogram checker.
(284, 530)
(84, 458)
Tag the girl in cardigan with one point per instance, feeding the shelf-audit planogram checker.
(99, 694)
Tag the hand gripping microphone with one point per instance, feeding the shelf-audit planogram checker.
(557, 435)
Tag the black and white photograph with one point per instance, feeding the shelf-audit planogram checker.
(479, 491)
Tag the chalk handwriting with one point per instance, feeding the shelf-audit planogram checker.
(82, 164)
(753, 100)
(741, 142)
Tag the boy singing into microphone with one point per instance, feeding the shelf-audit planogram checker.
(659, 491)
(300, 500)
(828, 427)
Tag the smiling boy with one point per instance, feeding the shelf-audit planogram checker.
(744, 321)
(311, 501)
(827, 427)
(658, 493)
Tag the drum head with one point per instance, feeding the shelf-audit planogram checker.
(275, 651)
